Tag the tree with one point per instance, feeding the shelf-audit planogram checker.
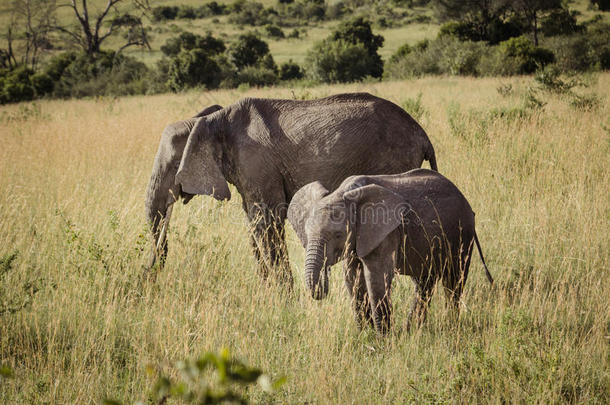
(249, 50)
(533, 10)
(192, 68)
(338, 61)
(91, 31)
(476, 20)
(27, 33)
(358, 31)
(187, 41)
(602, 5)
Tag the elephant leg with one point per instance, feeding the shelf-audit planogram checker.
(455, 278)
(378, 284)
(268, 242)
(421, 301)
(356, 286)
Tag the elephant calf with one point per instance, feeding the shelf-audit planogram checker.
(417, 223)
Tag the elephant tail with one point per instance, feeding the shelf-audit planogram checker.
(431, 156)
(489, 278)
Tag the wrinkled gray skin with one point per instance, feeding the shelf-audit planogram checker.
(162, 190)
(268, 149)
(416, 223)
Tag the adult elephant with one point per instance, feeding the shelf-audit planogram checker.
(268, 149)
(162, 191)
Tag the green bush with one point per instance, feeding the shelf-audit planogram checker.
(358, 31)
(192, 68)
(252, 13)
(16, 85)
(461, 58)
(210, 379)
(274, 31)
(599, 37)
(187, 41)
(303, 11)
(257, 76)
(58, 64)
(186, 12)
(444, 55)
(493, 31)
(290, 71)
(349, 54)
(213, 8)
(560, 22)
(106, 73)
(248, 50)
(415, 107)
(573, 53)
(42, 83)
(338, 61)
(528, 58)
(164, 13)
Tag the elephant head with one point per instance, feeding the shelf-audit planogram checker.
(199, 171)
(353, 219)
(162, 189)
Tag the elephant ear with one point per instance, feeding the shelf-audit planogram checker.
(208, 110)
(378, 211)
(199, 172)
(302, 205)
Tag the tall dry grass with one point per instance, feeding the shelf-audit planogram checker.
(77, 326)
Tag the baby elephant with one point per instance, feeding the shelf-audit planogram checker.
(416, 223)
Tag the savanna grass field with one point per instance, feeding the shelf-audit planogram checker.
(79, 325)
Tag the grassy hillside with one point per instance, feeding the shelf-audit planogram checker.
(77, 326)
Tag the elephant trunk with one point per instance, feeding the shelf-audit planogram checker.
(159, 203)
(316, 271)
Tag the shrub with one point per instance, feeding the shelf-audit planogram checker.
(445, 55)
(106, 73)
(349, 54)
(214, 8)
(229, 382)
(527, 56)
(188, 41)
(290, 71)
(251, 13)
(274, 31)
(599, 37)
(164, 13)
(248, 50)
(602, 5)
(588, 102)
(414, 107)
(335, 10)
(257, 76)
(358, 31)
(460, 58)
(338, 61)
(459, 29)
(58, 64)
(493, 31)
(415, 61)
(573, 53)
(560, 22)
(42, 83)
(192, 68)
(549, 79)
(308, 10)
(186, 12)
(16, 85)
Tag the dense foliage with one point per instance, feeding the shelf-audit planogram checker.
(478, 37)
(349, 54)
